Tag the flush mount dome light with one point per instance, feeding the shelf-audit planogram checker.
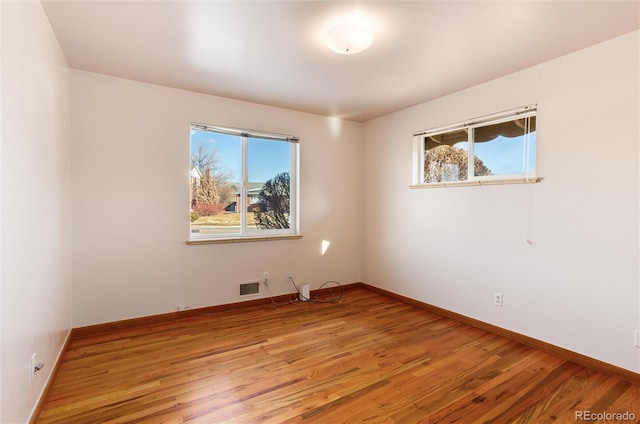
(348, 38)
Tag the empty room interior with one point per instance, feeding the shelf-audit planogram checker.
(260, 211)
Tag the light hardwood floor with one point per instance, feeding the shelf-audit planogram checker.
(369, 359)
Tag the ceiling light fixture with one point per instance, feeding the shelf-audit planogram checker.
(348, 38)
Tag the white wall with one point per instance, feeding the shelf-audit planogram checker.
(577, 285)
(36, 205)
(131, 196)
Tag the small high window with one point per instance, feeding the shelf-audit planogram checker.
(243, 184)
(494, 149)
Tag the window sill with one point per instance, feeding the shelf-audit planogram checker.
(245, 239)
(496, 181)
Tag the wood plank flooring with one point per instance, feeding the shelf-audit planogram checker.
(369, 359)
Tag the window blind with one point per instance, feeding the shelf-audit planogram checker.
(247, 133)
(508, 114)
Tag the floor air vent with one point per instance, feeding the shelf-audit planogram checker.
(249, 288)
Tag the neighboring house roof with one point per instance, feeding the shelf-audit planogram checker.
(233, 207)
(195, 173)
(255, 187)
(252, 188)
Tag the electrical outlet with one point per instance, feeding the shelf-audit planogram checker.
(636, 338)
(289, 276)
(497, 299)
(32, 365)
(265, 278)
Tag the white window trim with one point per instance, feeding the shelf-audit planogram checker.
(418, 149)
(223, 240)
(478, 182)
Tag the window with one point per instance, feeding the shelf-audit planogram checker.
(494, 149)
(243, 184)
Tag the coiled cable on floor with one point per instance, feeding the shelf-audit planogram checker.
(288, 302)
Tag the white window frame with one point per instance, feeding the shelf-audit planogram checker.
(418, 171)
(248, 234)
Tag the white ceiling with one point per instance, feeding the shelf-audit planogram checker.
(272, 52)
